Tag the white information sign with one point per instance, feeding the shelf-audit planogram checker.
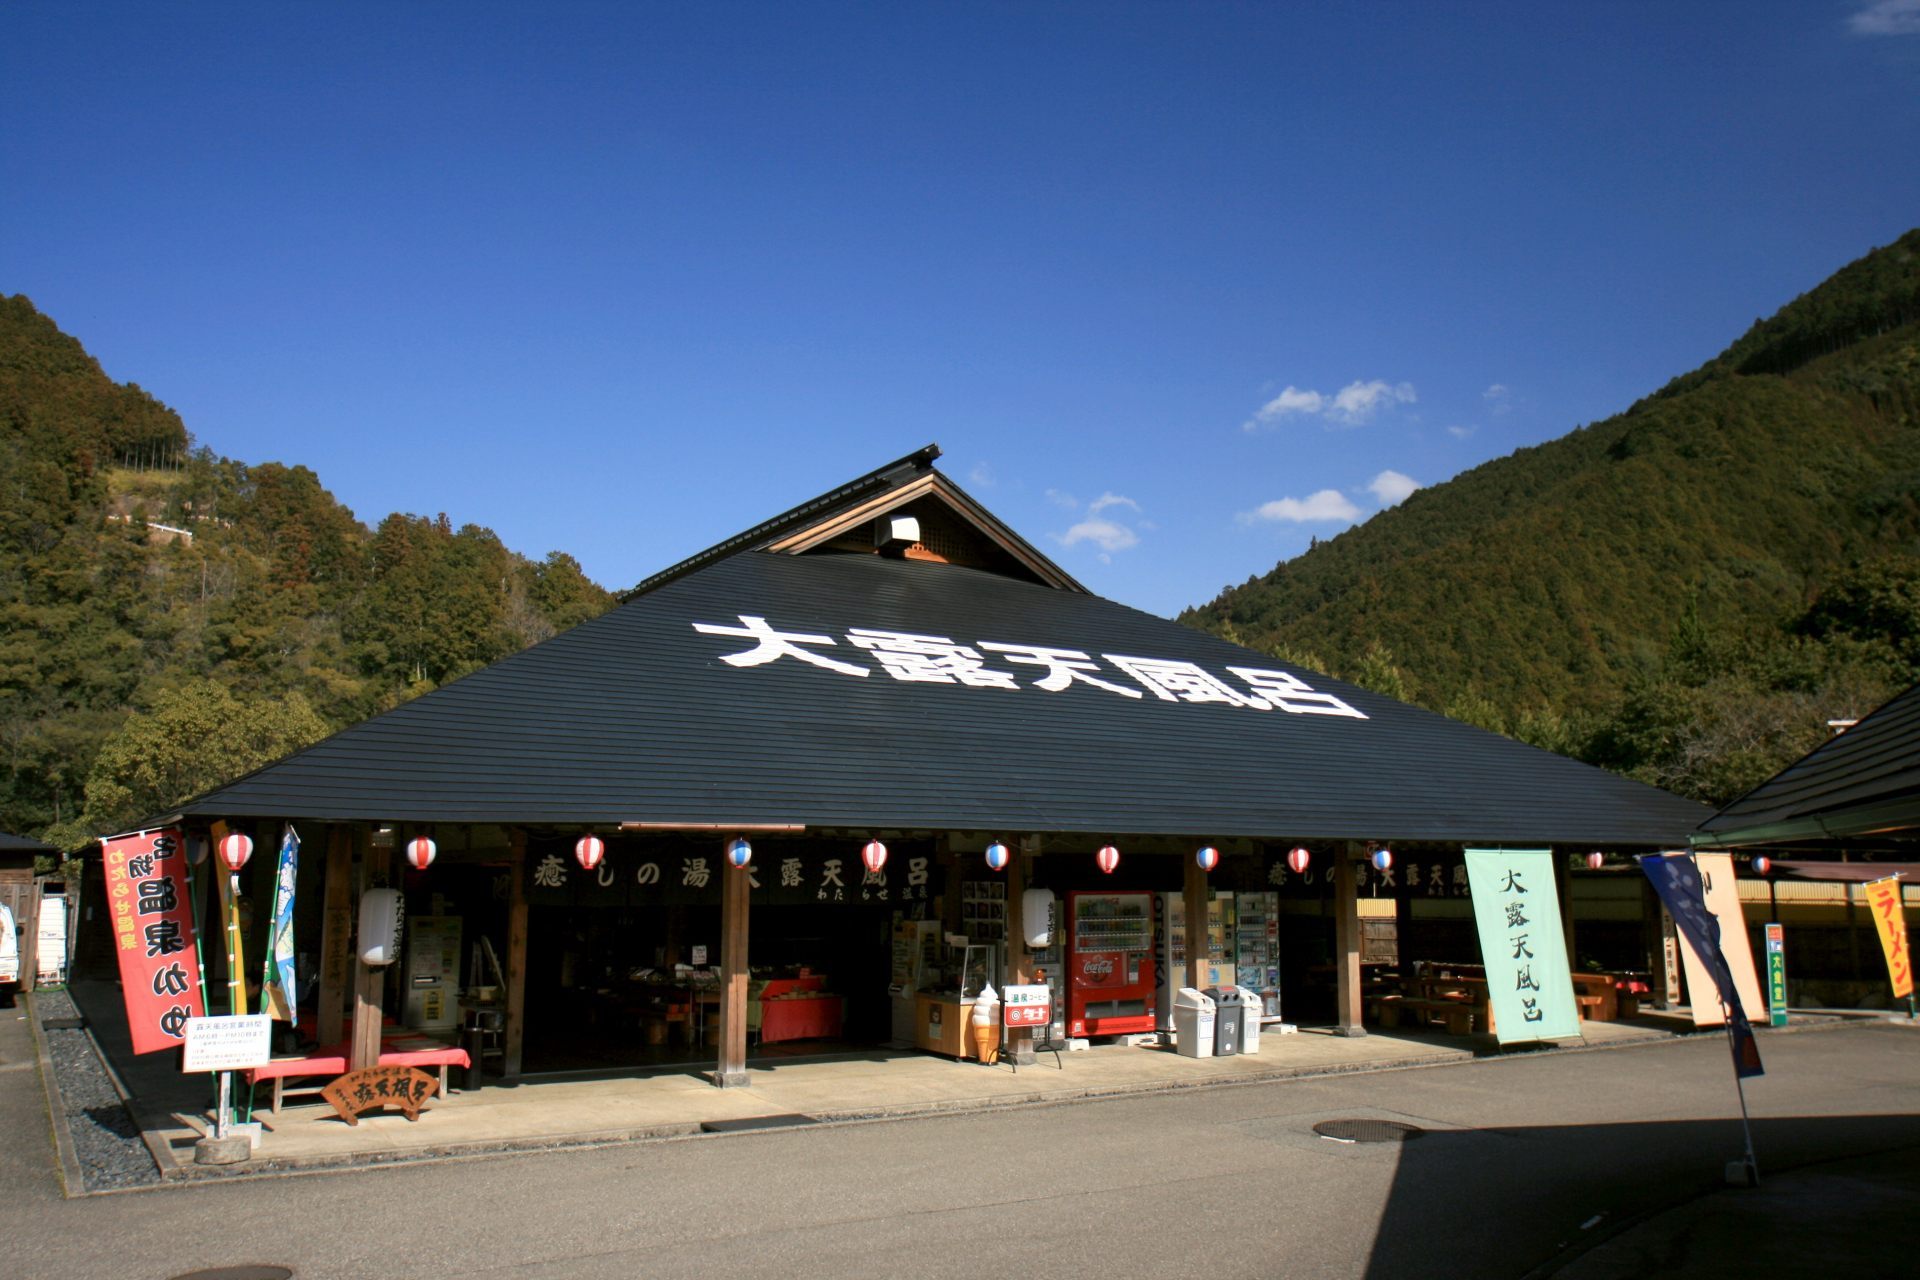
(227, 1044)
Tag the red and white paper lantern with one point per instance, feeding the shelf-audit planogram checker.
(739, 852)
(1297, 861)
(1207, 857)
(997, 856)
(421, 852)
(1596, 860)
(235, 849)
(873, 856)
(588, 850)
(1107, 859)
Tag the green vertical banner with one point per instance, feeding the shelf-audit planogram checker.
(1524, 949)
(1776, 975)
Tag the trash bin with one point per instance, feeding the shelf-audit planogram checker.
(1255, 1008)
(1193, 1024)
(1226, 1022)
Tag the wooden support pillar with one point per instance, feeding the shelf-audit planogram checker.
(376, 867)
(1346, 932)
(1193, 907)
(514, 1033)
(336, 935)
(730, 1072)
(1019, 1044)
(1563, 886)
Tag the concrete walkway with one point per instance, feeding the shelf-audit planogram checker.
(542, 1114)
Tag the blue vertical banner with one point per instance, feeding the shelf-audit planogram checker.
(1676, 879)
(1516, 908)
(279, 995)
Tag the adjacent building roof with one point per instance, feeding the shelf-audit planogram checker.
(10, 843)
(867, 691)
(1861, 786)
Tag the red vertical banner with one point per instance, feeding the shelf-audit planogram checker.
(152, 915)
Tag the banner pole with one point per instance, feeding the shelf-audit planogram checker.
(1740, 1087)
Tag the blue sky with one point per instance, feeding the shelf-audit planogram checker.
(1176, 287)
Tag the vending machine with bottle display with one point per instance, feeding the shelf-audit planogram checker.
(1256, 961)
(1110, 969)
(1170, 950)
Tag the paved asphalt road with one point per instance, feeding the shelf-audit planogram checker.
(1527, 1161)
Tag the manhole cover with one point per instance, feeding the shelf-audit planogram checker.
(240, 1273)
(1367, 1130)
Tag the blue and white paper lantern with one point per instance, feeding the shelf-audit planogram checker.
(1382, 859)
(997, 856)
(1207, 856)
(739, 852)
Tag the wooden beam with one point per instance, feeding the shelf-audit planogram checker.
(1193, 908)
(1346, 932)
(1019, 1044)
(370, 983)
(513, 1040)
(731, 1070)
(336, 935)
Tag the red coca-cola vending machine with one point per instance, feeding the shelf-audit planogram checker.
(1110, 965)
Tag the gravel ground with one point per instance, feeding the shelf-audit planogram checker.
(105, 1138)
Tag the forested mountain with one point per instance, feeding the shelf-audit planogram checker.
(169, 618)
(1687, 591)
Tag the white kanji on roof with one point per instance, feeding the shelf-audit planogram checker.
(931, 659)
(774, 645)
(1064, 666)
(1175, 681)
(1290, 693)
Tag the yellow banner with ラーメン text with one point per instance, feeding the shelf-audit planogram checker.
(1883, 900)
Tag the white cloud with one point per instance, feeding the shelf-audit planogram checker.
(1103, 531)
(981, 475)
(1350, 406)
(1887, 18)
(1358, 401)
(1461, 433)
(1328, 504)
(1392, 488)
(1499, 399)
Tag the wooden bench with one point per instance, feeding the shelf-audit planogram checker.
(332, 1062)
(1458, 1015)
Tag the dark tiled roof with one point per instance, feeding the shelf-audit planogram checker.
(1864, 782)
(10, 843)
(634, 717)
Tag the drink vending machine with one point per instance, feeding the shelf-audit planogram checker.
(1170, 949)
(1110, 969)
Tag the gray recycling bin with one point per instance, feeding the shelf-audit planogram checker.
(1226, 1022)
(1193, 1023)
(1241, 1005)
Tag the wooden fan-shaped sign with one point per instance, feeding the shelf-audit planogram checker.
(372, 1088)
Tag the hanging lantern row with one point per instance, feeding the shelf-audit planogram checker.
(1207, 857)
(421, 851)
(1107, 859)
(1596, 860)
(1762, 865)
(1298, 859)
(1381, 859)
(235, 849)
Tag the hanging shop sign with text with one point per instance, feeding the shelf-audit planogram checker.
(1516, 909)
(690, 874)
(1883, 900)
(151, 908)
(1416, 877)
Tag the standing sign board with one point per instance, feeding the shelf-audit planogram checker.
(1027, 1006)
(1723, 904)
(152, 913)
(1883, 900)
(1777, 975)
(232, 1043)
(1517, 912)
